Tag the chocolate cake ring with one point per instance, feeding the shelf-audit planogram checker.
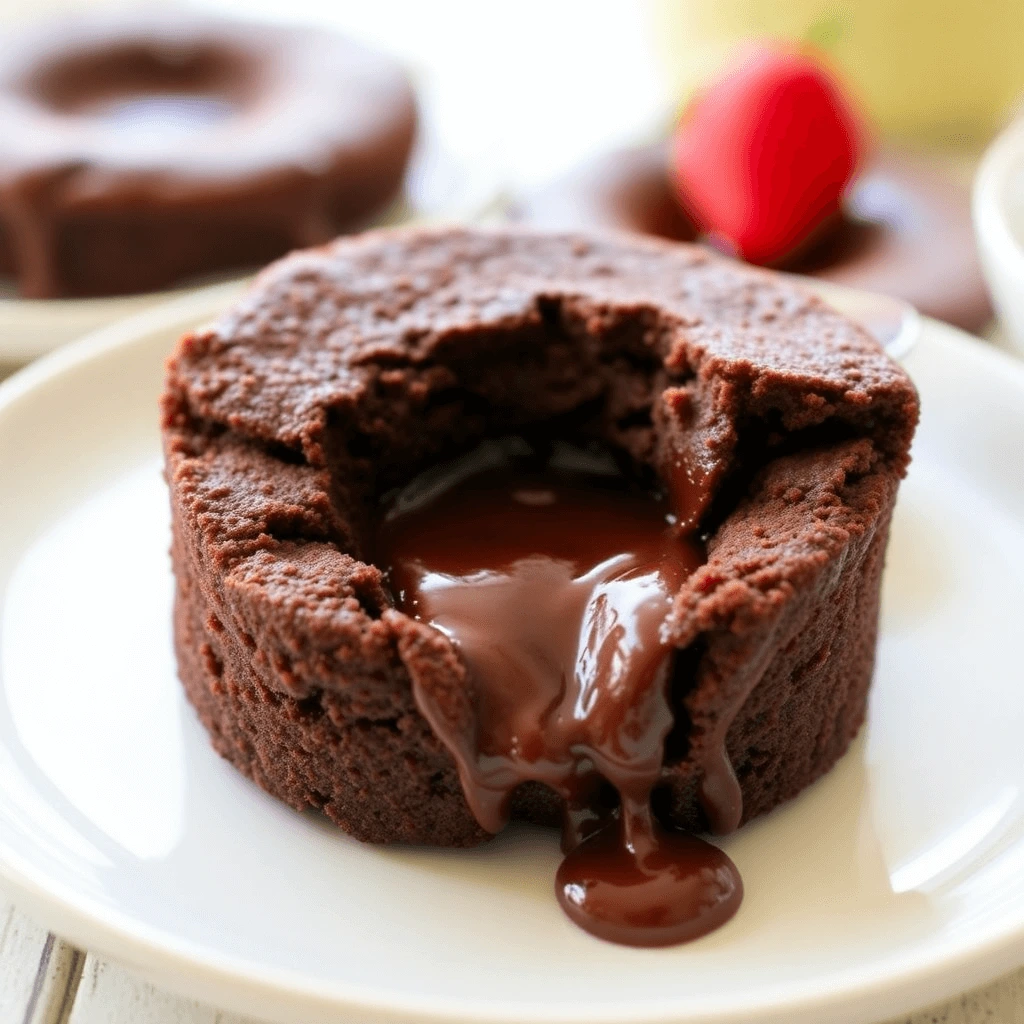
(780, 425)
(139, 148)
(907, 233)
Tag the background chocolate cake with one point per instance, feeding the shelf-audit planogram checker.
(141, 148)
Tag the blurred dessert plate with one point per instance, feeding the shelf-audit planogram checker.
(144, 150)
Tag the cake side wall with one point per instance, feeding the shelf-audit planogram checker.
(812, 700)
(815, 617)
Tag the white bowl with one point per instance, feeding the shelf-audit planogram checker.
(999, 223)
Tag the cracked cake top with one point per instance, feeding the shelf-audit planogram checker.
(375, 335)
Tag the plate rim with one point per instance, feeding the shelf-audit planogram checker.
(857, 993)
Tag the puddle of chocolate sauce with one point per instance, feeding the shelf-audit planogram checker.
(554, 578)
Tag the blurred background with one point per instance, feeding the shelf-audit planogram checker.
(513, 98)
(517, 93)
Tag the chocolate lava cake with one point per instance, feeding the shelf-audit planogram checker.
(779, 429)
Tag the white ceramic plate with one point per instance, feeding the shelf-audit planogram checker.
(896, 880)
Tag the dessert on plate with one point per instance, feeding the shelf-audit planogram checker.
(142, 148)
(771, 163)
(580, 529)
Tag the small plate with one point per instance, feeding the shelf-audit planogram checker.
(896, 880)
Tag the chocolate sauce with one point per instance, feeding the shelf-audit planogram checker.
(555, 582)
(660, 889)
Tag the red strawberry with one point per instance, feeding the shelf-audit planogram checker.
(763, 155)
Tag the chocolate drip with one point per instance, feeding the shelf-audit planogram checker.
(555, 586)
(643, 885)
(688, 490)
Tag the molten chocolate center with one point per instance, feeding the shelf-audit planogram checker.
(555, 580)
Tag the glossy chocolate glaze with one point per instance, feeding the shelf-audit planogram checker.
(138, 148)
(554, 580)
(906, 231)
(648, 887)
